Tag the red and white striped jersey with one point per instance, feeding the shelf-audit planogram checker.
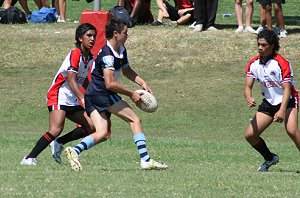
(271, 76)
(60, 93)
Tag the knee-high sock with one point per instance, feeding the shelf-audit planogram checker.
(85, 144)
(41, 144)
(262, 148)
(140, 141)
(73, 135)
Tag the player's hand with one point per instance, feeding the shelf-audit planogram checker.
(251, 102)
(135, 97)
(146, 88)
(279, 116)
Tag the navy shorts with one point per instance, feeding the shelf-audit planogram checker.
(100, 102)
(266, 108)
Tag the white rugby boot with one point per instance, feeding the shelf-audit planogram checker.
(73, 159)
(153, 165)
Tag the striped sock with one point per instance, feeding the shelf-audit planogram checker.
(41, 144)
(85, 144)
(140, 141)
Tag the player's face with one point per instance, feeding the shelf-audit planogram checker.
(264, 48)
(88, 39)
(123, 35)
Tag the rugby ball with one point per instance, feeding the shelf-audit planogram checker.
(148, 101)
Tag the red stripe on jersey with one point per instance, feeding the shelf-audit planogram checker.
(247, 70)
(285, 68)
(54, 90)
(75, 58)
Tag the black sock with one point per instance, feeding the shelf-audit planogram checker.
(262, 148)
(41, 144)
(73, 135)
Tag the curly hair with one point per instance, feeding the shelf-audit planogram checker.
(271, 37)
(81, 30)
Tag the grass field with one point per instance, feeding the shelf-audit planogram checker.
(198, 129)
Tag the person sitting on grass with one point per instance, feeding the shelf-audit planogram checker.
(139, 10)
(102, 97)
(182, 13)
(281, 99)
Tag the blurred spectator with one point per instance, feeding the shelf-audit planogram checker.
(205, 12)
(180, 14)
(239, 16)
(8, 3)
(60, 6)
(266, 16)
(139, 10)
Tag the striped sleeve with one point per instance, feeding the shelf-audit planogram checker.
(74, 60)
(286, 68)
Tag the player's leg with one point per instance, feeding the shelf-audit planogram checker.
(258, 124)
(101, 124)
(291, 125)
(86, 127)
(56, 125)
(124, 111)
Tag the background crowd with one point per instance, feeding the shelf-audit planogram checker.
(199, 15)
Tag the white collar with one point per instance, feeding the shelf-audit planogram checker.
(116, 54)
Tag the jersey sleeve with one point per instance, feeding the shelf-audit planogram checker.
(108, 62)
(74, 60)
(249, 69)
(286, 69)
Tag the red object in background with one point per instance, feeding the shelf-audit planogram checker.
(98, 19)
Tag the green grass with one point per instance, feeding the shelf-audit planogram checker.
(198, 129)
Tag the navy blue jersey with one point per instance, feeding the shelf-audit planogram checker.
(107, 59)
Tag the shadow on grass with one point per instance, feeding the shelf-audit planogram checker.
(287, 171)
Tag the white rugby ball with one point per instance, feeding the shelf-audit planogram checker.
(148, 101)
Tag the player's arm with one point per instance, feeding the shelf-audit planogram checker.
(113, 85)
(279, 116)
(132, 75)
(74, 87)
(248, 92)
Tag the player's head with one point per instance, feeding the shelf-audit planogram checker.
(271, 37)
(81, 30)
(115, 26)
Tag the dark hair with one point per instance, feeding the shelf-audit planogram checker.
(81, 30)
(271, 37)
(113, 25)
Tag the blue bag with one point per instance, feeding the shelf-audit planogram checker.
(44, 15)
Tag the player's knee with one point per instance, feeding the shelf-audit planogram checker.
(293, 133)
(249, 136)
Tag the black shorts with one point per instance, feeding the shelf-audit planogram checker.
(173, 12)
(266, 108)
(270, 1)
(67, 109)
(100, 102)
